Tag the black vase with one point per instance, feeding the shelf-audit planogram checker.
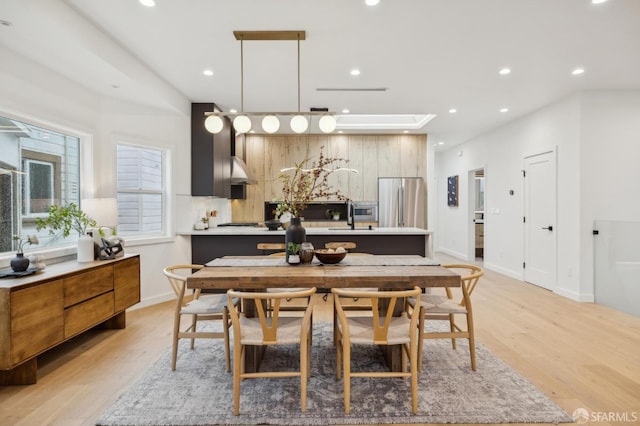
(295, 233)
(19, 263)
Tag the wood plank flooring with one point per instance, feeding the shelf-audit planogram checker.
(581, 355)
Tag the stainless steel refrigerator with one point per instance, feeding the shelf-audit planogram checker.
(402, 202)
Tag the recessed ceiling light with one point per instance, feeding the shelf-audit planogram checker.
(371, 2)
(355, 71)
(504, 110)
(578, 71)
(598, 1)
(406, 131)
(233, 110)
(148, 3)
(345, 111)
(208, 73)
(453, 111)
(504, 71)
(340, 131)
(440, 143)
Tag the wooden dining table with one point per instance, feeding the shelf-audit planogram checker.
(258, 273)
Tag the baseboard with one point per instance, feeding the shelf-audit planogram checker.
(578, 297)
(453, 253)
(154, 300)
(508, 272)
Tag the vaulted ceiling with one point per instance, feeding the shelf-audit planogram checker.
(429, 56)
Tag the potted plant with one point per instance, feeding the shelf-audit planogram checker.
(21, 263)
(305, 182)
(64, 219)
(293, 252)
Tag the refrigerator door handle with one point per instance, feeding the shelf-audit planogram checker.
(401, 206)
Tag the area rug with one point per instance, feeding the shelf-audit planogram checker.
(200, 392)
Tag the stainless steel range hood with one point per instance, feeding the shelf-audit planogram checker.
(240, 172)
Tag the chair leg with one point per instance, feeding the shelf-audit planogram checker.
(304, 373)
(226, 325)
(347, 377)
(420, 338)
(174, 349)
(472, 341)
(237, 365)
(194, 324)
(413, 360)
(452, 327)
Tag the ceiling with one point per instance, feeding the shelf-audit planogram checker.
(431, 56)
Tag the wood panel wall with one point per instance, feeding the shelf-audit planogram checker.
(372, 155)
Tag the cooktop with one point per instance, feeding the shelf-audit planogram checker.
(239, 224)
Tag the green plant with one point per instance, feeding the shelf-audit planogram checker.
(64, 219)
(31, 239)
(308, 181)
(293, 248)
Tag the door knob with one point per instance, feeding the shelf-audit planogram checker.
(550, 228)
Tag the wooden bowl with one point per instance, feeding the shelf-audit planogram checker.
(329, 258)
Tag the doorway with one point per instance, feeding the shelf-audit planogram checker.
(476, 214)
(540, 220)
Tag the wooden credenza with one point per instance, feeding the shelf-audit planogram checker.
(41, 311)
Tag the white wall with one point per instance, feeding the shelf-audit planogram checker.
(611, 171)
(32, 93)
(595, 136)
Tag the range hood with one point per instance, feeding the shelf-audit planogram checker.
(240, 172)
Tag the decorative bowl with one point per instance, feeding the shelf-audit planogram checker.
(273, 224)
(328, 257)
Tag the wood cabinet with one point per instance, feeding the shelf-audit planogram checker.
(210, 155)
(41, 311)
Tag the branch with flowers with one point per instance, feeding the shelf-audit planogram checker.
(31, 239)
(308, 181)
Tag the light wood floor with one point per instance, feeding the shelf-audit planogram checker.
(581, 355)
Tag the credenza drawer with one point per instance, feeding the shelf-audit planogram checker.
(36, 320)
(84, 315)
(87, 285)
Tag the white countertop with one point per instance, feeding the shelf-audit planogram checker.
(246, 230)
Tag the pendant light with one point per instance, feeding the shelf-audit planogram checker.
(299, 122)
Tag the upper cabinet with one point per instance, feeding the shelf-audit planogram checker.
(210, 155)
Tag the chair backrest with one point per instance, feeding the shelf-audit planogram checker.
(177, 275)
(269, 324)
(347, 245)
(383, 309)
(469, 275)
(271, 246)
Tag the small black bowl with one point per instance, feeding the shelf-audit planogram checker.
(273, 224)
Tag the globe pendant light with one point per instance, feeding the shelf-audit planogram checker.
(213, 124)
(270, 124)
(299, 123)
(242, 124)
(327, 123)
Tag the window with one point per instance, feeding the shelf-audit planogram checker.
(141, 190)
(39, 167)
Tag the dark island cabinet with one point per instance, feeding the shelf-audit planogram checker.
(210, 155)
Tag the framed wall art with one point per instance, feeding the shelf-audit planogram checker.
(452, 191)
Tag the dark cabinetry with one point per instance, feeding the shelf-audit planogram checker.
(210, 155)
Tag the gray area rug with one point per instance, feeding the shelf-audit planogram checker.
(200, 392)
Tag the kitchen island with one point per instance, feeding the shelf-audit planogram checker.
(242, 241)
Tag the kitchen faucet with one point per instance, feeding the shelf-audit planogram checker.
(351, 217)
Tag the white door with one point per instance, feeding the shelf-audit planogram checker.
(540, 220)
